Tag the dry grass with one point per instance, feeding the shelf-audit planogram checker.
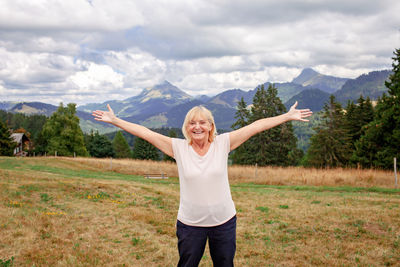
(75, 212)
(259, 175)
(312, 176)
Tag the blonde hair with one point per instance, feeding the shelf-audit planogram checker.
(199, 110)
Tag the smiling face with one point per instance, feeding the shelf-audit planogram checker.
(199, 128)
(199, 125)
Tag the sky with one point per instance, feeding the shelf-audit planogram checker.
(91, 51)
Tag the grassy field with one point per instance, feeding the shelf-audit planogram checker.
(89, 212)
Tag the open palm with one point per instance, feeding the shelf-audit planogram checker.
(105, 116)
(299, 114)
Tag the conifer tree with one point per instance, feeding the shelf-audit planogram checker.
(144, 150)
(63, 133)
(379, 143)
(357, 116)
(242, 115)
(275, 146)
(330, 145)
(121, 146)
(99, 146)
(7, 145)
(351, 122)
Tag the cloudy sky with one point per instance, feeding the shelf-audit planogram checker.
(86, 51)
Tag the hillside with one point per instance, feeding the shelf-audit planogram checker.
(34, 108)
(152, 100)
(6, 105)
(313, 99)
(86, 120)
(228, 98)
(371, 84)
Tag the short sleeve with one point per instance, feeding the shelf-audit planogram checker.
(224, 142)
(177, 145)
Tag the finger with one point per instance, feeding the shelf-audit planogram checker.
(305, 115)
(109, 108)
(97, 113)
(294, 105)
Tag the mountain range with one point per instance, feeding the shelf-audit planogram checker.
(165, 105)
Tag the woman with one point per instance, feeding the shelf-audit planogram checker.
(206, 210)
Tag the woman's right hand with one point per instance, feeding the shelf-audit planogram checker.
(104, 116)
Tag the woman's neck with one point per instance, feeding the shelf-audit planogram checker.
(201, 147)
(200, 143)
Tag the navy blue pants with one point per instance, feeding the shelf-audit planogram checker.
(192, 241)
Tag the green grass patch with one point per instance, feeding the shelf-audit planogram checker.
(135, 241)
(263, 209)
(45, 197)
(7, 263)
(23, 165)
(346, 189)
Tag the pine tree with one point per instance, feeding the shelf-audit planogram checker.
(63, 133)
(121, 146)
(242, 115)
(172, 134)
(379, 143)
(330, 145)
(7, 145)
(276, 146)
(356, 117)
(99, 146)
(144, 150)
(351, 122)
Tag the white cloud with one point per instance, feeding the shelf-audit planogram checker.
(71, 15)
(26, 69)
(100, 78)
(69, 50)
(139, 69)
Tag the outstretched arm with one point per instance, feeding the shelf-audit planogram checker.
(239, 136)
(162, 142)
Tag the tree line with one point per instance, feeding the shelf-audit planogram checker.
(61, 135)
(359, 134)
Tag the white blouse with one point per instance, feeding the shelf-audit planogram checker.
(205, 196)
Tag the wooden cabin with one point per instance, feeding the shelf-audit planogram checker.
(23, 144)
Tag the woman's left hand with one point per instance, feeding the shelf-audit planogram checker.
(298, 114)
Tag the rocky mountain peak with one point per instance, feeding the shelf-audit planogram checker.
(311, 79)
(306, 75)
(163, 90)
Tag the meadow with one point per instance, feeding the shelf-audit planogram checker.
(102, 212)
